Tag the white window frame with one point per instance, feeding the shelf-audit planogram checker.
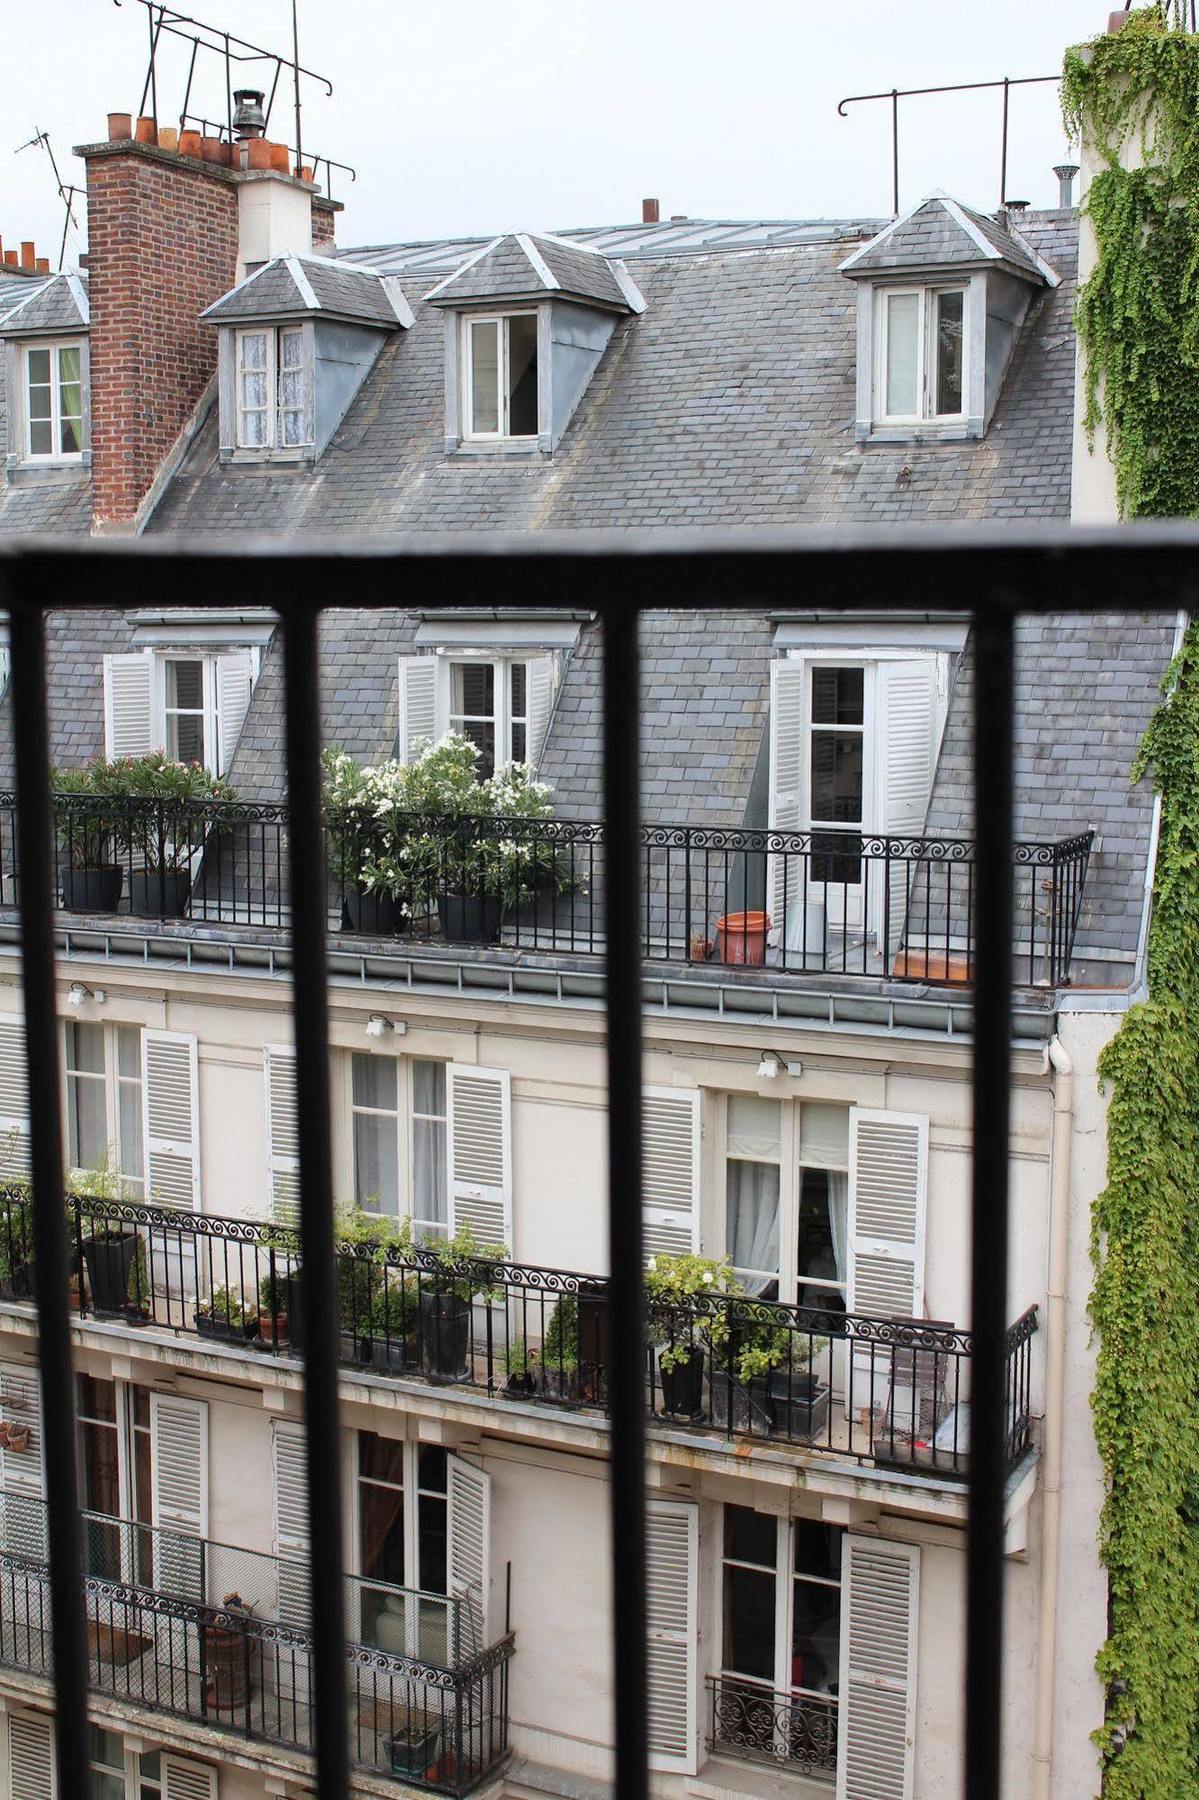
(413, 1493)
(503, 376)
(926, 353)
(134, 1180)
(126, 1429)
(272, 412)
(405, 1119)
(867, 731)
(208, 710)
(55, 454)
(784, 1606)
(503, 716)
(791, 1167)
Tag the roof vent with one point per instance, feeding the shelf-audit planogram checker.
(249, 120)
(1065, 173)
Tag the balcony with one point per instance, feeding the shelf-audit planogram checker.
(894, 1393)
(222, 1636)
(840, 903)
(796, 1731)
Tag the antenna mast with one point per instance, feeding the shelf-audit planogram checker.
(67, 192)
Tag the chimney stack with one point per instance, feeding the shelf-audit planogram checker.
(28, 255)
(1065, 173)
(650, 212)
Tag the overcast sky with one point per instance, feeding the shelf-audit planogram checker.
(467, 116)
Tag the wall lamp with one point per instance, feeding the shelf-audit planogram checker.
(772, 1065)
(77, 994)
(377, 1026)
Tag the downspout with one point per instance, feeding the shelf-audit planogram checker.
(1055, 1383)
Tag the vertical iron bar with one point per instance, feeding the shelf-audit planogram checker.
(622, 809)
(295, 50)
(894, 153)
(317, 1279)
(35, 832)
(989, 1195)
(1003, 146)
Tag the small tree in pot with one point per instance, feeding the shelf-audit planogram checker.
(90, 877)
(163, 813)
(369, 855)
(682, 1295)
(455, 1272)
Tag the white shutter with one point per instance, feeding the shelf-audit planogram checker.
(234, 682)
(183, 1779)
(670, 1184)
(906, 699)
(128, 714)
(672, 1587)
(888, 1190)
(14, 1099)
(540, 702)
(171, 1118)
(282, 1134)
(31, 1771)
(22, 1472)
(292, 1542)
(179, 1493)
(418, 703)
(787, 809)
(876, 1700)
(479, 1126)
(468, 1551)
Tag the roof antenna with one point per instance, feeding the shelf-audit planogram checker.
(67, 193)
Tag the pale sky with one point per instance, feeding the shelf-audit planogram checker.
(472, 117)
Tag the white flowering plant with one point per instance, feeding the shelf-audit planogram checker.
(670, 1282)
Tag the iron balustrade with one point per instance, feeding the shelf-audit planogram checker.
(887, 1391)
(224, 1665)
(796, 1730)
(842, 902)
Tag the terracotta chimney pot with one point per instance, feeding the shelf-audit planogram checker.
(281, 159)
(28, 255)
(189, 143)
(120, 127)
(168, 137)
(43, 265)
(259, 153)
(10, 259)
(214, 150)
(146, 130)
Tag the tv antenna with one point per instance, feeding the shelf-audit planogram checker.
(67, 192)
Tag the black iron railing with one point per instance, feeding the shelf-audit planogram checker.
(887, 1391)
(796, 1730)
(224, 1665)
(825, 902)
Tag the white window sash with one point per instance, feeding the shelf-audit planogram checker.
(932, 296)
(290, 334)
(55, 453)
(503, 375)
(268, 408)
(926, 353)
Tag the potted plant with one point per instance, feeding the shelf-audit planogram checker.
(377, 1301)
(454, 1273)
(560, 1351)
(162, 812)
(412, 1744)
(232, 1657)
(224, 1316)
(110, 1245)
(274, 1294)
(369, 857)
(90, 877)
(796, 1396)
(749, 1340)
(522, 1371)
(679, 1294)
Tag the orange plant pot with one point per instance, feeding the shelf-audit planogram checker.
(741, 938)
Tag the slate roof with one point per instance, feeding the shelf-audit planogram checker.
(14, 287)
(59, 305)
(306, 286)
(520, 266)
(941, 234)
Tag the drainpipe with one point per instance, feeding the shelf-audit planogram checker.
(1055, 1382)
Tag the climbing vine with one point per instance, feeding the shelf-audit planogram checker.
(1134, 98)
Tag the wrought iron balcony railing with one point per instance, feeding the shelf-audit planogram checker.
(883, 1390)
(222, 1636)
(841, 902)
(796, 1731)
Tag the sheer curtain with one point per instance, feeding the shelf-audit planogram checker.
(838, 1219)
(753, 1223)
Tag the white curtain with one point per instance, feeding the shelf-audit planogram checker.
(838, 1219)
(753, 1223)
(430, 1196)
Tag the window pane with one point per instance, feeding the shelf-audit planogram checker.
(752, 1225)
(374, 1081)
(85, 1048)
(430, 1180)
(129, 1051)
(95, 1397)
(520, 744)
(376, 1163)
(40, 440)
(291, 345)
(381, 1522)
(185, 737)
(432, 1471)
(292, 433)
(824, 1134)
(252, 349)
(68, 364)
(253, 430)
(484, 375)
(428, 1088)
(70, 435)
(518, 676)
(903, 342)
(149, 1765)
(823, 1203)
(749, 1623)
(522, 375)
(87, 1123)
(185, 684)
(472, 690)
(838, 696)
(837, 777)
(381, 1458)
(817, 1549)
(432, 1523)
(750, 1536)
(753, 1126)
(39, 368)
(949, 352)
(129, 1127)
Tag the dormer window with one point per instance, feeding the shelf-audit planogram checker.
(500, 364)
(272, 412)
(54, 402)
(920, 355)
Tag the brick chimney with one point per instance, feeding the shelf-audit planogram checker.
(168, 234)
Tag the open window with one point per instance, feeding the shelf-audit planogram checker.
(55, 418)
(274, 388)
(502, 702)
(920, 360)
(500, 376)
(192, 704)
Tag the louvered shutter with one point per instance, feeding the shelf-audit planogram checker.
(671, 1171)
(877, 1687)
(235, 681)
(31, 1771)
(22, 1472)
(468, 1552)
(282, 1134)
(183, 1779)
(906, 701)
(888, 1182)
(672, 1587)
(128, 705)
(292, 1543)
(480, 1134)
(179, 1492)
(787, 809)
(171, 1117)
(418, 704)
(14, 1099)
(540, 702)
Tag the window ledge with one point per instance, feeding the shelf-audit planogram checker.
(927, 431)
(304, 453)
(21, 472)
(508, 449)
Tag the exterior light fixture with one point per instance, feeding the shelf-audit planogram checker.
(769, 1067)
(77, 994)
(377, 1026)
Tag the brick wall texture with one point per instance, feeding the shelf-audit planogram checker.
(162, 245)
(324, 224)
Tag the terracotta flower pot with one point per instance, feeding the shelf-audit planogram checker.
(120, 127)
(146, 131)
(18, 1438)
(189, 143)
(280, 159)
(168, 137)
(259, 153)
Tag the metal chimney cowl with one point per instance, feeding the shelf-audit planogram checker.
(249, 120)
(1065, 173)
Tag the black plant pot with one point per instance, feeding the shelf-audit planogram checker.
(560, 1384)
(470, 918)
(295, 1309)
(521, 1386)
(798, 1405)
(412, 1752)
(92, 890)
(741, 1406)
(159, 893)
(374, 915)
(683, 1386)
(392, 1354)
(445, 1336)
(109, 1260)
(594, 1345)
(223, 1330)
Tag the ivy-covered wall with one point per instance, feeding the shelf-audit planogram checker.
(1135, 96)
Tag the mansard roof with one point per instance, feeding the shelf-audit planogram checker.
(940, 233)
(522, 267)
(56, 306)
(310, 286)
